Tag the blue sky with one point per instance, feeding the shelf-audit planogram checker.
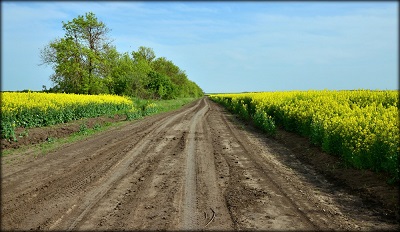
(223, 46)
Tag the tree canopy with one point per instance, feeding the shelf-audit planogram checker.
(84, 61)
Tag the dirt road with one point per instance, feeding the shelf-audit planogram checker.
(194, 168)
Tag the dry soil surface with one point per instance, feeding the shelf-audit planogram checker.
(196, 168)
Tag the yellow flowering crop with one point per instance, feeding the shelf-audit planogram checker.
(35, 109)
(361, 126)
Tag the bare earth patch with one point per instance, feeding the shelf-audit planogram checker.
(195, 168)
(27, 136)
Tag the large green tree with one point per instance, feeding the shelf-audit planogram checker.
(160, 86)
(79, 58)
(144, 53)
(178, 77)
(84, 61)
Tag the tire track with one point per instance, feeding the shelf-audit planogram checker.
(48, 193)
(190, 213)
(191, 169)
(133, 196)
(210, 181)
(157, 160)
(274, 186)
(121, 168)
(284, 197)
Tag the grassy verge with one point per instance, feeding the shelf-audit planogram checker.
(85, 132)
(163, 105)
(53, 143)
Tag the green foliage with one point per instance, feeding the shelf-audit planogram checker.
(144, 53)
(83, 129)
(79, 56)
(27, 110)
(168, 105)
(246, 110)
(149, 109)
(265, 122)
(97, 127)
(53, 143)
(184, 87)
(85, 62)
(160, 85)
(8, 128)
(360, 126)
(133, 114)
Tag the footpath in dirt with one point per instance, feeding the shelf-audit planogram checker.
(196, 168)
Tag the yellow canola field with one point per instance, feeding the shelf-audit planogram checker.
(13, 101)
(35, 109)
(361, 126)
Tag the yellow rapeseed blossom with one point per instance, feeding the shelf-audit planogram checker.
(360, 125)
(35, 109)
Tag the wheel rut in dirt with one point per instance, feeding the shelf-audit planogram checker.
(190, 169)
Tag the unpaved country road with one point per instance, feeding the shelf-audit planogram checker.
(190, 169)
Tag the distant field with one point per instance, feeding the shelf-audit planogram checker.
(361, 126)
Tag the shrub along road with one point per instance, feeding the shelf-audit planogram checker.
(193, 168)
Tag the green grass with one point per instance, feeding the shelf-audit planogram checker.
(85, 132)
(162, 105)
(54, 143)
(169, 105)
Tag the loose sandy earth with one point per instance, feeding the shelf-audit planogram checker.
(192, 169)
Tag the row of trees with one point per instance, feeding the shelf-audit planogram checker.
(85, 62)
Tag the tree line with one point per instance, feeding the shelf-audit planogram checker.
(85, 62)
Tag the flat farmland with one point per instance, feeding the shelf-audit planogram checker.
(196, 168)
